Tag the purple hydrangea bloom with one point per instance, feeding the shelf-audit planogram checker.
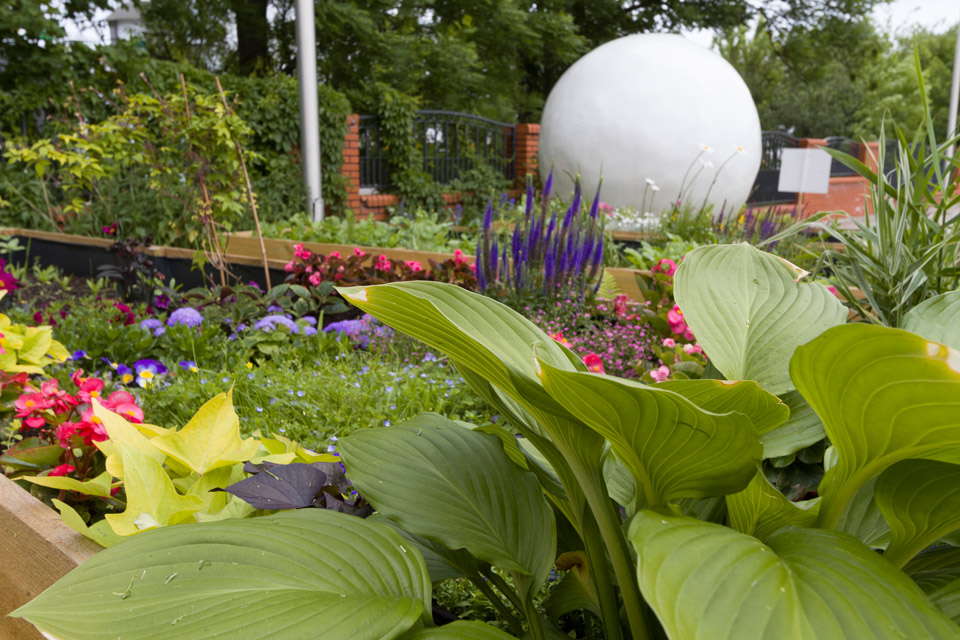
(153, 325)
(185, 315)
(269, 323)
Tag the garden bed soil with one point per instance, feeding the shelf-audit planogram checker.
(37, 549)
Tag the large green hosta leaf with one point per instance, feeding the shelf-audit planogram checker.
(920, 499)
(760, 510)
(708, 582)
(749, 313)
(673, 448)
(802, 429)
(765, 410)
(444, 482)
(294, 575)
(459, 630)
(884, 395)
(936, 319)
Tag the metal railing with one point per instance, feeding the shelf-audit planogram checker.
(847, 145)
(451, 143)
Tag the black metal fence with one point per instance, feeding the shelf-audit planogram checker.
(451, 143)
(847, 145)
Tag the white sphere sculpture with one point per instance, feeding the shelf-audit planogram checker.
(652, 108)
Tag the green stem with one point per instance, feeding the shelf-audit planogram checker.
(609, 524)
(516, 626)
(502, 585)
(606, 594)
(534, 619)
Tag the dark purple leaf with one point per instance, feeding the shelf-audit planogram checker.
(288, 486)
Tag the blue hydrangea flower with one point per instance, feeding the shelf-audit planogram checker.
(185, 315)
(270, 323)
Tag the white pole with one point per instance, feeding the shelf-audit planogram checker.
(309, 108)
(954, 93)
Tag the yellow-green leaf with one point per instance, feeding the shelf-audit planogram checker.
(99, 486)
(152, 500)
(211, 439)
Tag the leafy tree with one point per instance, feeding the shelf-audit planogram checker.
(498, 58)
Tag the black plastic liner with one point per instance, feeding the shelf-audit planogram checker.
(82, 260)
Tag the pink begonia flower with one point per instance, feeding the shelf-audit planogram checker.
(669, 343)
(334, 254)
(832, 289)
(559, 338)
(593, 362)
(661, 374)
(675, 317)
(458, 256)
(413, 264)
(692, 348)
(360, 253)
(288, 267)
(61, 470)
(316, 279)
(620, 304)
(666, 266)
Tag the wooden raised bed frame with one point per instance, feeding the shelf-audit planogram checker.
(36, 550)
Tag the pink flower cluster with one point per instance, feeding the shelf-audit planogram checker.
(54, 412)
(608, 343)
(678, 325)
(383, 263)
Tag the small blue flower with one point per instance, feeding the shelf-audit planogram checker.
(185, 315)
(259, 409)
(429, 357)
(188, 365)
(300, 394)
(356, 384)
(203, 381)
(79, 355)
(226, 379)
(388, 389)
(251, 376)
(331, 449)
(386, 423)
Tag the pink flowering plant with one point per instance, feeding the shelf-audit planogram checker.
(56, 432)
(610, 337)
(675, 353)
(360, 268)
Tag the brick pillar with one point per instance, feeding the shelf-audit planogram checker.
(811, 143)
(527, 144)
(351, 161)
(870, 154)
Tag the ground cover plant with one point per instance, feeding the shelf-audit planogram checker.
(604, 467)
